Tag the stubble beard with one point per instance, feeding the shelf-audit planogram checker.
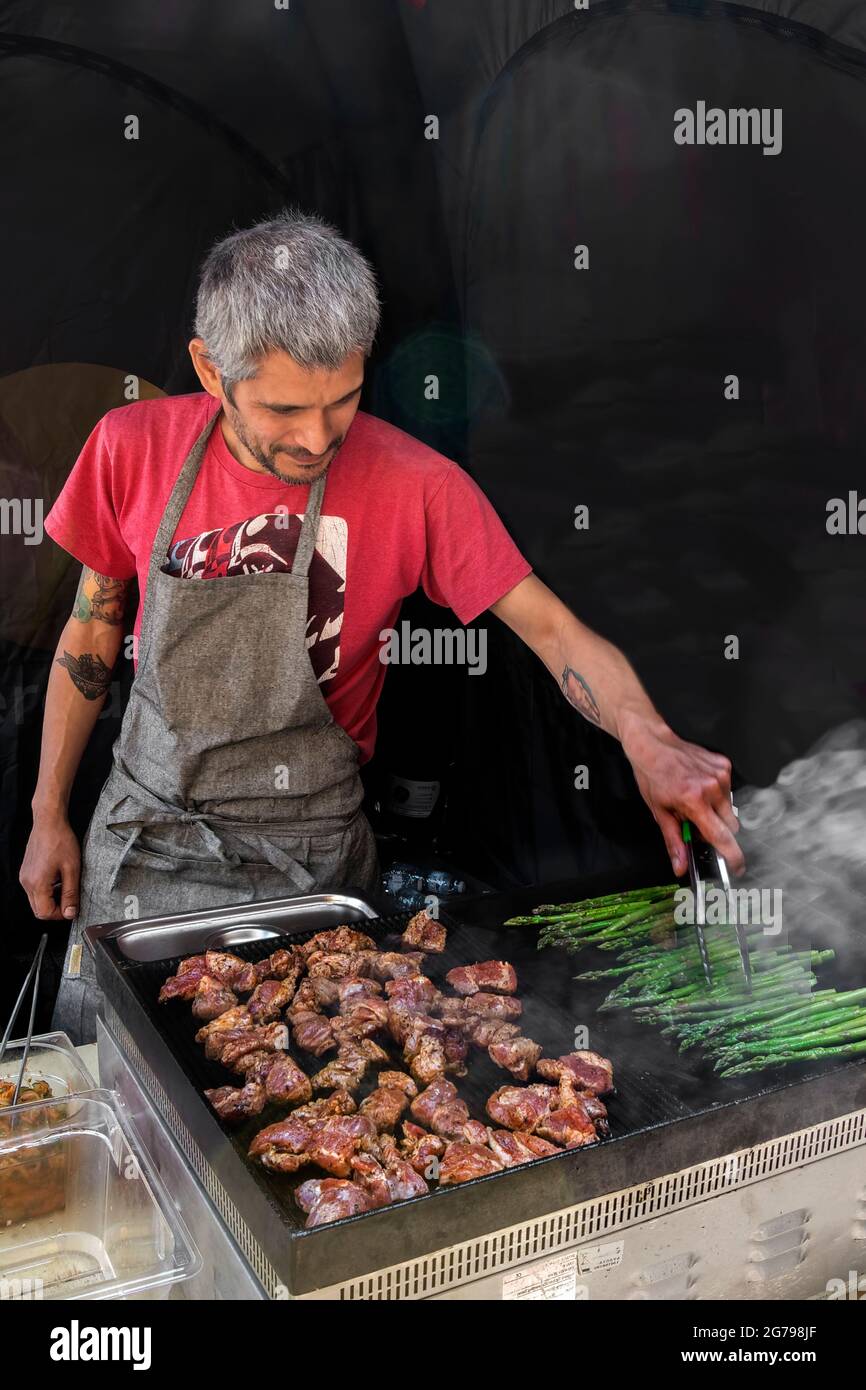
(268, 460)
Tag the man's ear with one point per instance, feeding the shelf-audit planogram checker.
(205, 369)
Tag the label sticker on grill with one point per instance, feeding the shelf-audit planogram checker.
(555, 1278)
(600, 1256)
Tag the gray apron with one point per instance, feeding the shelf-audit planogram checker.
(231, 781)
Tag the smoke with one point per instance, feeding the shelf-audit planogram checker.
(806, 836)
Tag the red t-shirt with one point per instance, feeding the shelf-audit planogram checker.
(395, 515)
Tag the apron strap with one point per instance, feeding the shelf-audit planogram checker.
(309, 528)
(178, 499)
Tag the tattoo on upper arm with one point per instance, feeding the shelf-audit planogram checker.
(578, 693)
(88, 673)
(100, 597)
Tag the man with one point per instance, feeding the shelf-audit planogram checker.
(235, 776)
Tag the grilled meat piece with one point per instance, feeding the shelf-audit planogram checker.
(306, 999)
(238, 1017)
(361, 1016)
(338, 1103)
(491, 975)
(474, 1132)
(283, 964)
(191, 963)
(483, 1032)
(268, 999)
(333, 966)
(464, 1161)
(233, 1046)
(237, 1103)
(400, 1079)
(212, 999)
(441, 1110)
(345, 940)
(571, 1126)
(588, 1070)
(598, 1110)
(332, 1199)
(517, 1055)
(438, 1093)
(335, 1143)
(229, 1045)
(451, 1120)
(428, 1060)
(282, 1078)
(184, 984)
(386, 1175)
(521, 1107)
(385, 1105)
(415, 991)
(432, 1048)
(395, 965)
(588, 1104)
(421, 1149)
(401, 1017)
(512, 1149)
(330, 1143)
(424, 932)
(313, 1032)
(494, 1006)
(239, 975)
(342, 991)
(456, 1011)
(355, 988)
(348, 1069)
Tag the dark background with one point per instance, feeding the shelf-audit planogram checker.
(558, 388)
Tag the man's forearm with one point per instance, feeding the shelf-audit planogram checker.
(80, 677)
(597, 679)
(68, 721)
(591, 672)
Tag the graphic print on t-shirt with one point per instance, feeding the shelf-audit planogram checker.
(268, 542)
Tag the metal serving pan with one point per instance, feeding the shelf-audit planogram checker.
(225, 928)
(670, 1110)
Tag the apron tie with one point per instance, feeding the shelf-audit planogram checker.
(211, 839)
(292, 868)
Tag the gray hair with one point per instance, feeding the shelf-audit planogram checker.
(291, 284)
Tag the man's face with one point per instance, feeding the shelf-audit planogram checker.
(291, 422)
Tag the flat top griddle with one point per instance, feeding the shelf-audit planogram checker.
(670, 1110)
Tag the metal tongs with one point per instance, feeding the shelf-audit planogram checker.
(31, 979)
(706, 865)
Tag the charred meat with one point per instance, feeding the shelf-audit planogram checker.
(494, 976)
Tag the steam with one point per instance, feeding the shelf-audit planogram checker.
(806, 836)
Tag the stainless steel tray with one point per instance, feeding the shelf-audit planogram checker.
(221, 928)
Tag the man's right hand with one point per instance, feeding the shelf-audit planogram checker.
(52, 854)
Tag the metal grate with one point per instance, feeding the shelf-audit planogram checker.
(447, 1269)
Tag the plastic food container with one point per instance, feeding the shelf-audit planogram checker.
(83, 1214)
(52, 1058)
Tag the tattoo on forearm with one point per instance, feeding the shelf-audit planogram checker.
(101, 597)
(89, 674)
(577, 693)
